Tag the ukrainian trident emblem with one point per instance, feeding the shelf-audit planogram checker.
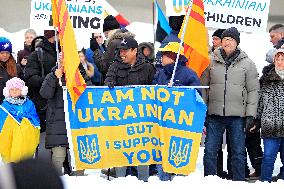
(179, 151)
(88, 148)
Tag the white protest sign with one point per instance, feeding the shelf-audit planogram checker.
(246, 15)
(86, 15)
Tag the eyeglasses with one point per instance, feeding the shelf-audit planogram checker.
(228, 39)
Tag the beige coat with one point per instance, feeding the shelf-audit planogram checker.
(232, 91)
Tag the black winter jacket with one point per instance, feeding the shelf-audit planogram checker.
(121, 74)
(4, 77)
(56, 134)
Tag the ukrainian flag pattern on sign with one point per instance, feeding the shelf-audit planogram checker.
(131, 126)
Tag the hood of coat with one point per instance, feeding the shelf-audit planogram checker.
(269, 75)
(120, 34)
(147, 45)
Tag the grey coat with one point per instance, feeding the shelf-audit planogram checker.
(270, 111)
(233, 88)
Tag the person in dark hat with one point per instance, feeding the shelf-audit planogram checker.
(110, 23)
(130, 68)
(232, 99)
(216, 38)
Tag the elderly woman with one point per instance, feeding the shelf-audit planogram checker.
(270, 114)
(7, 64)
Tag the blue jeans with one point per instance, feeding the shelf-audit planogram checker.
(163, 176)
(271, 148)
(215, 129)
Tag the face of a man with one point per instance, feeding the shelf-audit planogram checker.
(166, 60)
(216, 42)
(99, 38)
(229, 45)
(128, 56)
(275, 37)
(4, 56)
(279, 61)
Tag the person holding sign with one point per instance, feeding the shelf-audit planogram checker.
(184, 77)
(232, 100)
(129, 68)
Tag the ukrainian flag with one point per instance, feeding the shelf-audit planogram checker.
(17, 140)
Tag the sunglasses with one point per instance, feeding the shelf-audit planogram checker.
(96, 37)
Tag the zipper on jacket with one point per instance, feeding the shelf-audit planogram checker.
(225, 89)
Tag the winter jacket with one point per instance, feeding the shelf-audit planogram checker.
(121, 74)
(26, 110)
(184, 76)
(4, 77)
(104, 60)
(56, 134)
(270, 109)
(24, 53)
(142, 46)
(97, 78)
(233, 85)
(34, 74)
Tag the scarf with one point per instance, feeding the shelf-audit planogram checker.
(280, 73)
(16, 100)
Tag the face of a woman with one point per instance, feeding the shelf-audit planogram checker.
(82, 57)
(29, 38)
(279, 61)
(4, 56)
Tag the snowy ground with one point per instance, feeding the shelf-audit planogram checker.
(195, 179)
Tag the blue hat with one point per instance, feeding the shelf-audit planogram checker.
(127, 43)
(5, 44)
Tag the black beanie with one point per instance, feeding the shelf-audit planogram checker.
(49, 33)
(110, 23)
(175, 22)
(218, 33)
(233, 33)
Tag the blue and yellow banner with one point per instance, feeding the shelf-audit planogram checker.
(17, 140)
(131, 126)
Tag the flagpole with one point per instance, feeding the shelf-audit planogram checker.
(57, 53)
(154, 21)
(181, 40)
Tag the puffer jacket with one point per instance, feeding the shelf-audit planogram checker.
(233, 85)
(121, 74)
(270, 109)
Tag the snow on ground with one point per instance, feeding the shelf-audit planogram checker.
(195, 179)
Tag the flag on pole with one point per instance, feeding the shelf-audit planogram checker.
(162, 25)
(196, 39)
(109, 10)
(74, 81)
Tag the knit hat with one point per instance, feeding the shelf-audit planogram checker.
(218, 33)
(15, 82)
(277, 52)
(175, 22)
(49, 33)
(110, 23)
(233, 33)
(5, 44)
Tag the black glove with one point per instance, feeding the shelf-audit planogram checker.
(249, 123)
(110, 85)
(257, 126)
(94, 44)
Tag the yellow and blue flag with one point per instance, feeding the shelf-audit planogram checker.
(136, 126)
(17, 140)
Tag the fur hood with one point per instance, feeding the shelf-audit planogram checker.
(120, 34)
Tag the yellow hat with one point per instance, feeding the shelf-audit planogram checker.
(172, 47)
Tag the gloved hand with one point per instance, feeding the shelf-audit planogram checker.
(110, 85)
(257, 125)
(249, 123)
(94, 44)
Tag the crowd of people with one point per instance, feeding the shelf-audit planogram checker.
(241, 106)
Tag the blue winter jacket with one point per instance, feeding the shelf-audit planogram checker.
(97, 74)
(26, 110)
(184, 76)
